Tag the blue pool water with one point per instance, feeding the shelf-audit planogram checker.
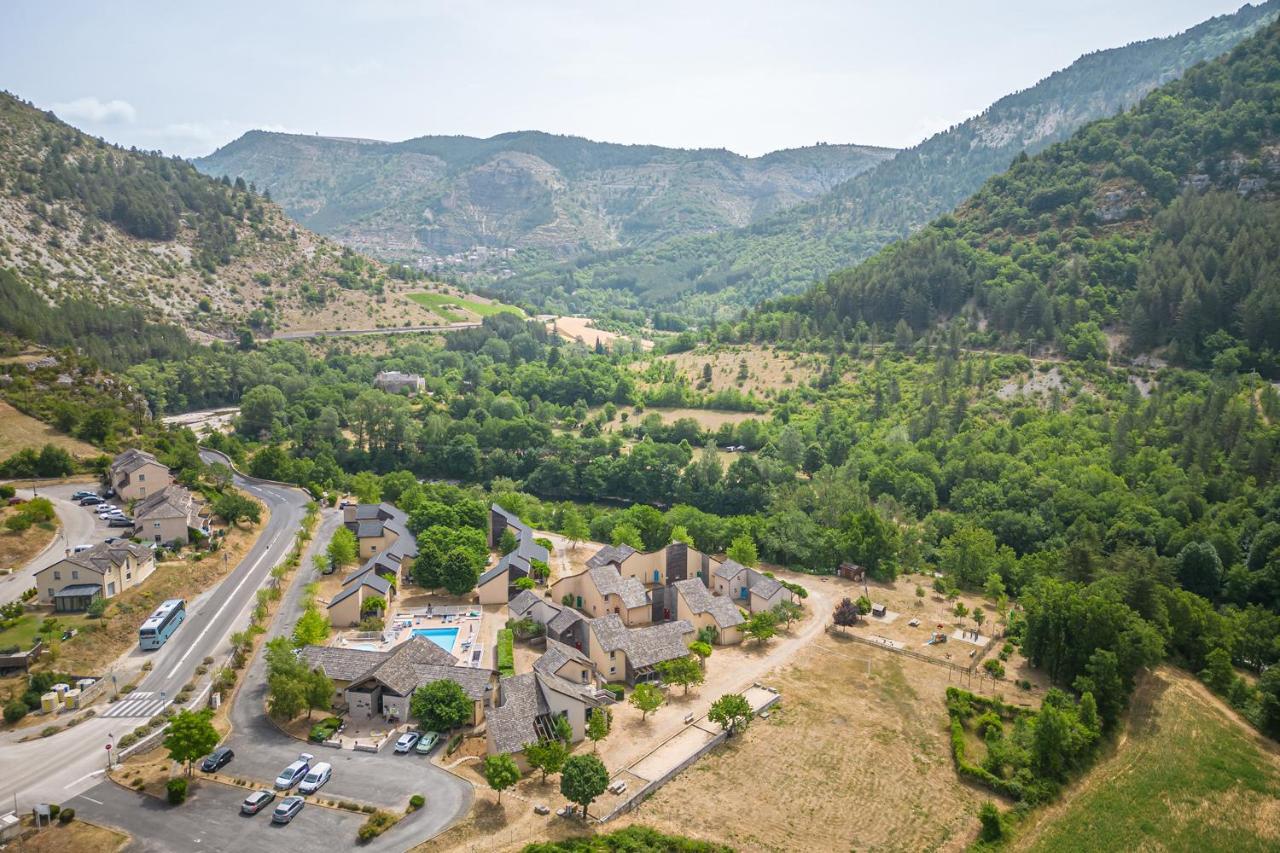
(442, 637)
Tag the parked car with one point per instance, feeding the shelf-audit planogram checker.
(111, 540)
(255, 802)
(107, 509)
(293, 774)
(92, 500)
(83, 494)
(407, 741)
(120, 521)
(79, 548)
(427, 742)
(315, 779)
(16, 501)
(217, 759)
(287, 810)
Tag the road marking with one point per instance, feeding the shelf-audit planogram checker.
(192, 646)
(136, 707)
(82, 778)
(92, 800)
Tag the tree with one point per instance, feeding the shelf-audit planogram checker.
(501, 772)
(574, 527)
(599, 721)
(787, 612)
(680, 533)
(761, 626)
(743, 550)
(260, 407)
(646, 698)
(367, 487)
(232, 507)
(1218, 672)
(683, 671)
(1049, 743)
(702, 650)
(373, 604)
(993, 587)
(459, 573)
(312, 628)
(190, 735)
(441, 705)
(1200, 569)
(343, 547)
(626, 533)
(547, 755)
(582, 779)
(846, 614)
(525, 583)
(732, 712)
(979, 617)
(286, 695)
(1102, 678)
(318, 691)
(992, 826)
(920, 593)
(961, 611)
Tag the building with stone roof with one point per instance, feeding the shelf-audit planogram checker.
(103, 571)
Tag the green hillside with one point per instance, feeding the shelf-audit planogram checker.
(716, 275)
(1162, 221)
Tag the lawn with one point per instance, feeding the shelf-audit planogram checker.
(1185, 776)
(24, 630)
(440, 303)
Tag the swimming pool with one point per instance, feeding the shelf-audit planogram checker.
(442, 637)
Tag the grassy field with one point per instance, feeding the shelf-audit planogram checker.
(25, 629)
(1186, 775)
(18, 431)
(17, 548)
(441, 303)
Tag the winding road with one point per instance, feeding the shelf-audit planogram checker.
(57, 768)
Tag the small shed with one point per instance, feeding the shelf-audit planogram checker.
(851, 571)
(878, 611)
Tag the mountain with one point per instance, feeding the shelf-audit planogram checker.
(1161, 224)
(716, 275)
(558, 196)
(113, 240)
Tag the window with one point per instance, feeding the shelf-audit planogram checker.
(111, 588)
(75, 574)
(156, 525)
(57, 575)
(612, 670)
(142, 478)
(51, 592)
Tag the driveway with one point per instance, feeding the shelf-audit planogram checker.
(383, 779)
(78, 525)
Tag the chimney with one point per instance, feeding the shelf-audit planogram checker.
(68, 553)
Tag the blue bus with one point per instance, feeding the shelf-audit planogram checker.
(162, 623)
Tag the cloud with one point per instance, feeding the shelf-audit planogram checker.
(90, 109)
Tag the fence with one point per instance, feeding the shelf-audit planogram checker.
(946, 664)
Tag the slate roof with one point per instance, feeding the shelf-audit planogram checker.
(521, 557)
(131, 460)
(170, 502)
(757, 582)
(474, 682)
(700, 600)
(729, 569)
(556, 656)
(402, 668)
(341, 664)
(609, 581)
(610, 554)
(101, 558)
(523, 602)
(643, 646)
(564, 620)
(379, 585)
(78, 589)
(511, 724)
(371, 519)
(384, 562)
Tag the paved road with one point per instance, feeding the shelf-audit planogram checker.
(56, 769)
(79, 525)
(346, 333)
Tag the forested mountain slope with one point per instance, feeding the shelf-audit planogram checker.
(716, 275)
(1164, 220)
(140, 234)
(556, 196)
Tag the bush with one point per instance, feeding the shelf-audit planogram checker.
(994, 667)
(54, 809)
(618, 690)
(47, 731)
(324, 729)
(416, 802)
(377, 823)
(67, 815)
(454, 743)
(97, 608)
(176, 791)
(138, 784)
(506, 654)
(15, 711)
(992, 828)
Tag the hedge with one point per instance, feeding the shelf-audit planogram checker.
(618, 690)
(454, 743)
(177, 791)
(506, 653)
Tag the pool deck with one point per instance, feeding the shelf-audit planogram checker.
(468, 646)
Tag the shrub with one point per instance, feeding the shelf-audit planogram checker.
(176, 791)
(15, 711)
(54, 809)
(617, 690)
(48, 731)
(992, 828)
(377, 823)
(454, 743)
(67, 816)
(416, 802)
(994, 667)
(138, 784)
(506, 654)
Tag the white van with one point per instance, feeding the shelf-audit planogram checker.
(313, 781)
(79, 548)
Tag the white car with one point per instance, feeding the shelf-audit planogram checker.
(293, 774)
(315, 779)
(406, 741)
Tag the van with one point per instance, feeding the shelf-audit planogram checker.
(314, 780)
(79, 548)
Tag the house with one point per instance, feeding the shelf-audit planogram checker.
(103, 571)
(497, 585)
(528, 604)
(564, 661)
(696, 605)
(166, 516)
(632, 654)
(602, 589)
(528, 706)
(385, 686)
(351, 605)
(134, 474)
(750, 589)
(380, 528)
(395, 382)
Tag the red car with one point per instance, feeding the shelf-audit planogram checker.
(14, 501)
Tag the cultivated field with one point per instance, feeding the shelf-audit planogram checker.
(1186, 774)
(455, 308)
(583, 330)
(19, 431)
(766, 368)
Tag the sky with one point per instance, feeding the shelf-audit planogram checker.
(745, 75)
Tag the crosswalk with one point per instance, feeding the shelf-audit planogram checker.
(143, 704)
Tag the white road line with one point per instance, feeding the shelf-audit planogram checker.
(92, 800)
(82, 778)
(192, 646)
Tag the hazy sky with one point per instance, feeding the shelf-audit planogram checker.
(745, 75)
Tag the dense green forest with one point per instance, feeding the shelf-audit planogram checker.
(1160, 220)
(714, 276)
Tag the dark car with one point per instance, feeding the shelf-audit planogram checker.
(287, 810)
(257, 801)
(120, 521)
(16, 501)
(82, 495)
(217, 759)
(92, 500)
